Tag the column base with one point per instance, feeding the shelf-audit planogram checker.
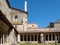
(6, 44)
(1, 44)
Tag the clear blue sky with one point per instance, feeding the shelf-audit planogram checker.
(40, 11)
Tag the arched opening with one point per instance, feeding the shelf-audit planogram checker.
(15, 18)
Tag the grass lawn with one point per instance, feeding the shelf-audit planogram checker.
(40, 44)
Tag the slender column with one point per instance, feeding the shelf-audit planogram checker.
(33, 37)
(51, 37)
(23, 37)
(41, 37)
(37, 37)
(30, 37)
(3, 38)
(48, 37)
(44, 37)
(58, 36)
(18, 37)
(26, 38)
(55, 39)
(7, 38)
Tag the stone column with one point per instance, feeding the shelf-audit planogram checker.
(58, 36)
(3, 38)
(44, 37)
(41, 37)
(30, 37)
(18, 37)
(51, 37)
(48, 37)
(37, 37)
(7, 38)
(26, 37)
(33, 37)
(55, 39)
(23, 37)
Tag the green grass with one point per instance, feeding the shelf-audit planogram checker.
(40, 44)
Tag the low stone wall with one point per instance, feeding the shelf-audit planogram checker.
(6, 44)
(36, 42)
(49, 41)
(28, 41)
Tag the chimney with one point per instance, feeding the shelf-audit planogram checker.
(25, 6)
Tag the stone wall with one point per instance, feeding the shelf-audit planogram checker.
(20, 15)
(12, 38)
(57, 25)
(5, 9)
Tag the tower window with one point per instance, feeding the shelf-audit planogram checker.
(16, 17)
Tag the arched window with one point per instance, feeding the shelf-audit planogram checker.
(15, 18)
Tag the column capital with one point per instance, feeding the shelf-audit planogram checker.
(41, 34)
